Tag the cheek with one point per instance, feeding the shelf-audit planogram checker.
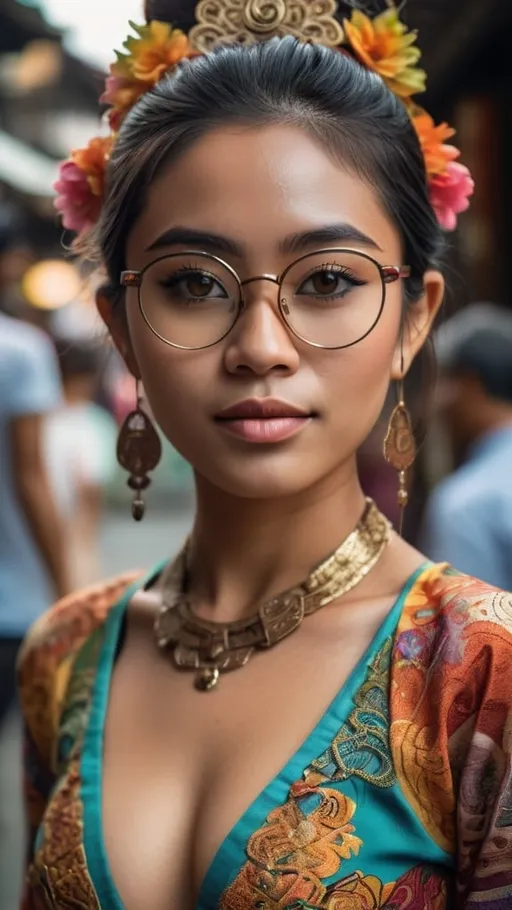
(362, 373)
(175, 382)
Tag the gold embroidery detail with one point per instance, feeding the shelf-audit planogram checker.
(249, 21)
(361, 747)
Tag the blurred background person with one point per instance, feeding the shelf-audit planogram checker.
(80, 446)
(469, 515)
(33, 549)
(32, 558)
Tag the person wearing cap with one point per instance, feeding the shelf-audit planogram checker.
(469, 516)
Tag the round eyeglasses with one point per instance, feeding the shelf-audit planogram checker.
(331, 298)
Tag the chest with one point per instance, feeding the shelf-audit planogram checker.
(187, 765)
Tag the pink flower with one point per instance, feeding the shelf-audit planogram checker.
(121, 93)
(113, 84)
(450, 192)
(78, 205)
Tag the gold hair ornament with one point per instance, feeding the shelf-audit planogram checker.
(249, 21)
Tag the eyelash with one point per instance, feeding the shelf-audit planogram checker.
(334, 267)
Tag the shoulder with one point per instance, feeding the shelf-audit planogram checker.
(29, 373)
(47, 655)
(21, 340)
(459, 496)
(453, 651)
(453, 606)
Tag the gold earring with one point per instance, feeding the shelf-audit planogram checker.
(400, 447)
(138, 451)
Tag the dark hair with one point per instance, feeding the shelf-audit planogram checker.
(477, 341)
(327, 93)
(76, 358)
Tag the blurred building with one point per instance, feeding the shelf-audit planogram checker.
(465, 45)
(48, 104)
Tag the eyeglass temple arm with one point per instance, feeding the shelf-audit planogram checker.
(131, 278)
(392, 273)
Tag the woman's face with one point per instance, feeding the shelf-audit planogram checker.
(262, 190)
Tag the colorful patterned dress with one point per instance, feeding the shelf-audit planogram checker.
(401, 796)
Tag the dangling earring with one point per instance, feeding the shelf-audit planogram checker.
(400, 447)
(138, 451)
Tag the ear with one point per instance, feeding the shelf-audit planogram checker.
(418, 323)
(118, 328)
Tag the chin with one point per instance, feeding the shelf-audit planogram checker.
(251, 480)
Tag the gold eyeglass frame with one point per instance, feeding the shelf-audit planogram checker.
(132, 278)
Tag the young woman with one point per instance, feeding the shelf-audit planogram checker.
(271, 255)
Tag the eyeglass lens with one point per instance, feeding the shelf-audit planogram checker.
(331, 299)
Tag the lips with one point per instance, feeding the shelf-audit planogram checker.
(263, 420)
(261, 409)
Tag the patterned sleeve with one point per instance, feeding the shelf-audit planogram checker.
(45, 667)
(484, 792)
(37, 699)
(451, 730)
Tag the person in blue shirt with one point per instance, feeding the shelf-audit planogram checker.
(32, 553)
(469, 516)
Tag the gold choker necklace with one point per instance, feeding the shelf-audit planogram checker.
(212, 648)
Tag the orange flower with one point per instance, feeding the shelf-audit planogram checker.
(433, 143)
(384, 45)
(92, 160)
(157, 49)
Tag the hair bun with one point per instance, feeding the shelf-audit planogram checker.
(177, 12)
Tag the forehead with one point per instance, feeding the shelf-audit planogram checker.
(258, 185)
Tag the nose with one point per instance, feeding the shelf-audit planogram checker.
(260, 343)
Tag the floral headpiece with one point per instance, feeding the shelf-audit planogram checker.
(382, 44)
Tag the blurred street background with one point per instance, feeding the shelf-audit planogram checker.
(53, 59)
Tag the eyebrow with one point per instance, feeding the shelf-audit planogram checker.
(205, 240)
(330, 233)
(294, 243)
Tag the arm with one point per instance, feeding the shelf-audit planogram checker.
(36, 497)
(30, 389)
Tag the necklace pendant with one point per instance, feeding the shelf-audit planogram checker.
(207, 679)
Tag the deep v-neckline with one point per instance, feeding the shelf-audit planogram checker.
(230, 855)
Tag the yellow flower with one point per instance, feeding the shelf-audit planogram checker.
(153, 51)
(384, 45)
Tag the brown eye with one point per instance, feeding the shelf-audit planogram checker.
(193, 284)
(199, 285)
(325, 282)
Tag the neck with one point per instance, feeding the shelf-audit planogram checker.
(246, 551)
